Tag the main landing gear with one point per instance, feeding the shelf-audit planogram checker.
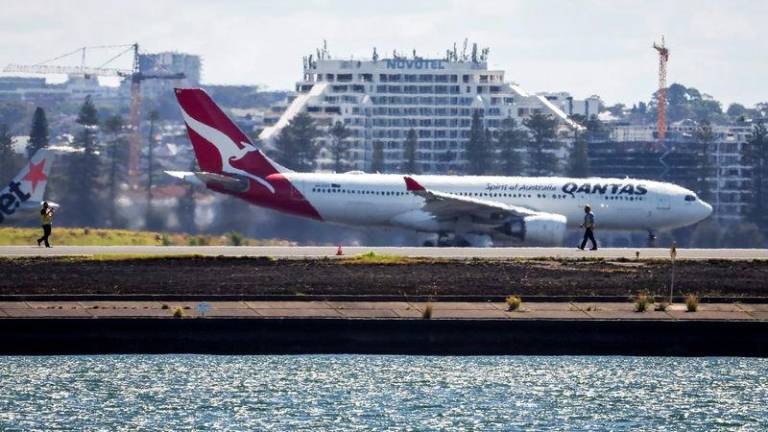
(452, 240)
(651, 239)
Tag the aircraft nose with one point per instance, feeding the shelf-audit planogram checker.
(706, 210)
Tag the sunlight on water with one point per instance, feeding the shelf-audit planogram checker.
(332, 392)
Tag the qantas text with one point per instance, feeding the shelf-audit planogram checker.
(572, 188)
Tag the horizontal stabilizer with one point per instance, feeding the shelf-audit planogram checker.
(229, 182)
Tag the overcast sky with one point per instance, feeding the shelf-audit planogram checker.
(584, 47)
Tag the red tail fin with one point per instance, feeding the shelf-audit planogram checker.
(220, 146)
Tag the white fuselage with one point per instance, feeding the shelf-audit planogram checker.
(618, 204)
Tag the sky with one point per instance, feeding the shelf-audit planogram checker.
(584, 47)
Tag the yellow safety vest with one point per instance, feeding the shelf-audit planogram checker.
(46, 217)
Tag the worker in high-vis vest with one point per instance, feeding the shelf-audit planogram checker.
(46, 220)
(589, 226)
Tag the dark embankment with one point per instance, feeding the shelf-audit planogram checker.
(294, 336)
(260, 276)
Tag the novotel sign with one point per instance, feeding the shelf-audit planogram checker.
(414, 64)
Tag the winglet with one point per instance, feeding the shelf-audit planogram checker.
(412, 185)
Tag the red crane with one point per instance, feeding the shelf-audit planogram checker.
(661, 121)
(134, 74)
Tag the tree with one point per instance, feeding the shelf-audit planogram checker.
(117, 160)
(339, 145)
(686, 102)
(378, 161)
(578, 160)
(743, 235)
(706, 234)
(12, 113)
(409, 153)
(616, 110)
(38, 135)
(705, 139)
(478, 148)
(153, 220)
(736, 110)
(542, 145)
(186, 206)
(510, 143)
(755, 155)
(9, 160)
(596, 129)
(83, 188)
(296, 145)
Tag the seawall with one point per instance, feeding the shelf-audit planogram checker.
(44, 336)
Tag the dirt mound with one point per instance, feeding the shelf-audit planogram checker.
(253, 276)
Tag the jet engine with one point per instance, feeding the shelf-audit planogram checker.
(542, 228)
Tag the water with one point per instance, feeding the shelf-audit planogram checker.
(346, 392)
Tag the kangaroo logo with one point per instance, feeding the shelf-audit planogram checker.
(228, 149)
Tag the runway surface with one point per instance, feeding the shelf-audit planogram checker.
(330, 251)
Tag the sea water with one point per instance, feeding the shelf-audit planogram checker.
(374, 392)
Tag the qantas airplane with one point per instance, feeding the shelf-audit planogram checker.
(24, 194)
(451, 210)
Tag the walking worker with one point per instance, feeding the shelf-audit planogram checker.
(46, 219)
(588, 225)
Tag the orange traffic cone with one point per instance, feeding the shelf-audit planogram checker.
(339, 252)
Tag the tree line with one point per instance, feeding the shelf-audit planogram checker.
(87, 181)
(509, 150)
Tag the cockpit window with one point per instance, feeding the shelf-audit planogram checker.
(690, 198)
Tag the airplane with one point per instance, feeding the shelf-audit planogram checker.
(448, 210)
(23, 196)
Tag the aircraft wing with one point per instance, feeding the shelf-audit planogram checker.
(447, 206)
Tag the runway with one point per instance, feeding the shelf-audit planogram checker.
(330, 251)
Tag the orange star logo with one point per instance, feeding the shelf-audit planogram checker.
(36, 174)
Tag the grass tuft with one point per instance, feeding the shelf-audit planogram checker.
(236, 239)
(691, 302)
(513, 303)
(427, 312)
(642, 301)
(178, 313)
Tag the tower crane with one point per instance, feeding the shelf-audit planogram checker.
(661, 120)
(135, 75)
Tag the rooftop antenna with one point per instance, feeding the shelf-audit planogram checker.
(464, 50)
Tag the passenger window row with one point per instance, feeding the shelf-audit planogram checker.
(358, 192)
(469, 194)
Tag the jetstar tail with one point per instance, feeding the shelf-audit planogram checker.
(27, 190)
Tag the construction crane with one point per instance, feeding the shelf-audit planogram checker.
(134, 74)
(661, 120)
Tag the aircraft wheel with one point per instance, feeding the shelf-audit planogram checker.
(461, 242)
